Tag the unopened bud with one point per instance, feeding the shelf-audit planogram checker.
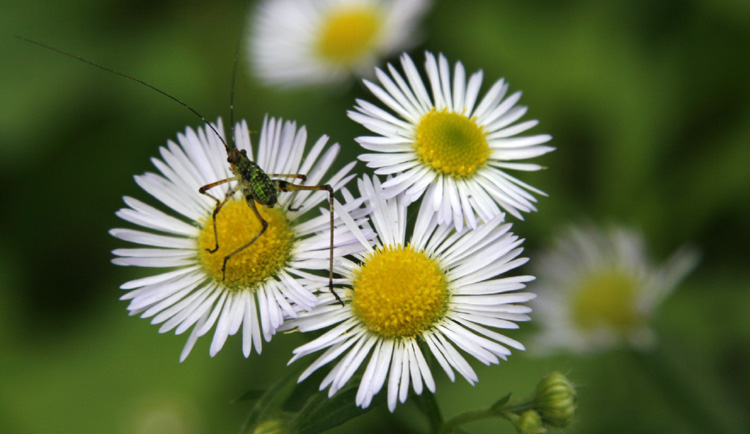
(556, 400)
(529, 422)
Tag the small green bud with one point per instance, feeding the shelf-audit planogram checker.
(272, 426)
(556, 400)
(529, 422)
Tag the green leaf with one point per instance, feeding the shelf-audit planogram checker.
(501, 402)
(303, 391)
(321, 413)
(269, 404)
(428, 406)
(251, 395)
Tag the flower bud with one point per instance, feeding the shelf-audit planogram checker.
(556, 400)
(529, 422)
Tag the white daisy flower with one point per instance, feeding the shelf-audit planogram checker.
(444, 290)
(318, 42)
(450, 144)
(262, 284)
(597, 289)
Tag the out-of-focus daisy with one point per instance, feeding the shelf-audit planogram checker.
(598, 289)
(261, 285)
(313, 42)
(443, 290)
(450, 143)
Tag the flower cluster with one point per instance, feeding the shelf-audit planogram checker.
(248, 242)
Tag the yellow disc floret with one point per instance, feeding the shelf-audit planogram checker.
(606, 299)
(347, 35)
(451, 144)
(399, 292)
(236, 226)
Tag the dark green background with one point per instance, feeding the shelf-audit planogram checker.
(648, 106)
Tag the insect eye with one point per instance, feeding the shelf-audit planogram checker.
(243, 152)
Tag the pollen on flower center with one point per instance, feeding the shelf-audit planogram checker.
(399, 292)
(236, 226)
(347, 35)
(606, 299)
(451, 144)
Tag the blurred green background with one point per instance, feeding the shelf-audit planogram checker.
(648, 103)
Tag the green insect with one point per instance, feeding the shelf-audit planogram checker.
(252, 182)
(258, 186)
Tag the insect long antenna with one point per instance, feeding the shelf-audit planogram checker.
(231, 93)
(141, 82)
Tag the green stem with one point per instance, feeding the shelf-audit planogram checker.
(469, 416)
(475, 415)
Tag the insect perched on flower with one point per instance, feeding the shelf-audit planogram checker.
(266, 278)
(256, 186)
(243, 264)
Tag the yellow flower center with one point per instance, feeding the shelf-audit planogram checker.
(399, 292)
(348, 34)
(236, 226)
(451, 144)
(606, 300)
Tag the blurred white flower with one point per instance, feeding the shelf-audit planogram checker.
(443, 291)
(451, 147)
(597, 289)
(261, 285)
(324, 42)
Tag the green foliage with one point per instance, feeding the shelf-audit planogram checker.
(648, 106)
(301, 408)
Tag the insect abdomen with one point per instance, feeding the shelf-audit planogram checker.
(263, 188)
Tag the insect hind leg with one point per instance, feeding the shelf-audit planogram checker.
(281, 186)
(294, 188)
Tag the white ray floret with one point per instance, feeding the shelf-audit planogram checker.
(598, 289)
(297, 43)
(477, 300)
(466, 193)
(186, 295)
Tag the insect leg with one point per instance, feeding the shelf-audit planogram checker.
(290, 175)
(285, 186)
(219, 204)
(251, 203)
